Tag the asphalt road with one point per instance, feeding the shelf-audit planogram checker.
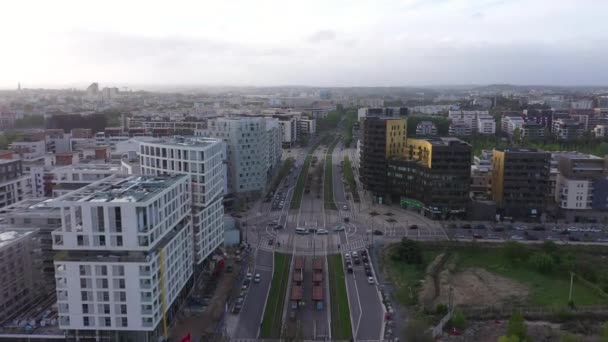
(251, 314)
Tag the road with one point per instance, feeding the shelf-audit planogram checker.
(250, 317)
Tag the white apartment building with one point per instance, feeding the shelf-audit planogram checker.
(426, 128)
(478, 121)
(510, 123)
(28, 150)
(203, 160)
(124, 256)
(307, 126)
(289, 130)
(254, 150)
(573, 193)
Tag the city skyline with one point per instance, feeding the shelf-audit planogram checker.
(324, 44)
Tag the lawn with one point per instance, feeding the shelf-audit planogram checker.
(272, 325)
(297, 194)
(328, 197)
(550, 289)
(340, 313)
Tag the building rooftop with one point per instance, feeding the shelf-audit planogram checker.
(34, 207)
(445, 141)
(110, 167)
(182, 141)
(519, 149)
(12, 235)
(574, 155)
(121, 188)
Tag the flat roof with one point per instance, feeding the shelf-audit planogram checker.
(32, 207)
(9, 236)
(196, 141)
(519, 149)
(122, 188)
(89, 167)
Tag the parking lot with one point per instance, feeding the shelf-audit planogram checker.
(590, 233)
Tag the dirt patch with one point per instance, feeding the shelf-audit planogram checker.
(474, 286)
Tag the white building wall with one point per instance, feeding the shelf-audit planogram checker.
(573, 194)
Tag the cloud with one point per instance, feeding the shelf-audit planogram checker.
(321, 36)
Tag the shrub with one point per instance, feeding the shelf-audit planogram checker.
(458, 320)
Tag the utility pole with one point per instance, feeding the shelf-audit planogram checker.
(571, 283)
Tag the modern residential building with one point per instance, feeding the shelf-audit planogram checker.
(486, 124)
(289, 130)
(567, 129)
(254, 151)
(520, 181)
(433, 175)
(124, 258)
(36, 213)
(531, 131)
(381, 138)
(576, 183)
(478, 121)
(511, 124)
(14, 184)
(307, 126)
(203, 160)
(459, 129)
(426, 128)
(20, 276)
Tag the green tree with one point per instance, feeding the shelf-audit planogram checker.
(567, 337)
(542, 262)
(517, 327)
(417, 331)
(604, 332)
(409, 251)
(458, 321)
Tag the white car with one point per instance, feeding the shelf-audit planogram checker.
(339, 228)
(249, 275)
(370, 280)
(521, 227)
(355, 255)
(345, 207)
(322, 231)
(573, 229)
(347, 256)
(517, 237)
(257, 278)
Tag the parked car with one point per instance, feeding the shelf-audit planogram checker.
(538, 228)
(346, 219)
(498, 228)
(480, 226)
(229, 269)
(452, 226)
(339, 228)
(378, 232)
(466, 226)
(349, 269)
(517, 237)
(413, 226)
(322, 231)
(370, 280)
(344, 207)
(248, 276)
(477, 236)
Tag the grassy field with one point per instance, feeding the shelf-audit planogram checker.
(340, 313)
(328, 184)
(546, 289)
(296, 199)
(407, 277)
(272, 325)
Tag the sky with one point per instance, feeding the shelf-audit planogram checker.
(313, 42)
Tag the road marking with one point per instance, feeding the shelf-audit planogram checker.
(359, 303)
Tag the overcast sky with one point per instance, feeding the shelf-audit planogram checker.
(308, 42)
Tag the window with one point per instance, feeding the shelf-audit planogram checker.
(123, 309)
(85, 308)
(119, 241)
(85, 321)
(124, 321)
(102, 240)
(100, 219)
(118, 219)
(106, 309)
(107, 321)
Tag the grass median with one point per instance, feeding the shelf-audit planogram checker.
(272, 324)
(328, 199)
(296, 199)
(340, 313)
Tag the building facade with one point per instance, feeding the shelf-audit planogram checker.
(433, 175)
(125, 256)
(520, 181)
(203, 160)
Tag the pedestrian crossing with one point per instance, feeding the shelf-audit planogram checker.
(353, 246)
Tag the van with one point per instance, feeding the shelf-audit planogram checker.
(301, 230)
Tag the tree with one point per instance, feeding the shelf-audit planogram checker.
(517, 327)
(417, 331)
(458, 320)
(604, 332)
(567, 337)
(542, 262)
(409, 251)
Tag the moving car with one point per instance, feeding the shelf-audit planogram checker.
(301, 230)
(378, 232)
(256, 279)
(370, 280)
(346, 219)
(344, 207)
(322, 232)
(339, 228)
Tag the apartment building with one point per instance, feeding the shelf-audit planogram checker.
(580, 177)
(433, 175)
(567, 129)
(203, 160)
(124, 257)
(253, 151)
(426, 128)
(19, 275)
(381, 138)
(510, 124)
(478, 121)
(532, 131)
(382, 112)
(14, 185)
(520, 181)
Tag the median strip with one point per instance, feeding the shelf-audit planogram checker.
(272, 324)
(341, 327)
